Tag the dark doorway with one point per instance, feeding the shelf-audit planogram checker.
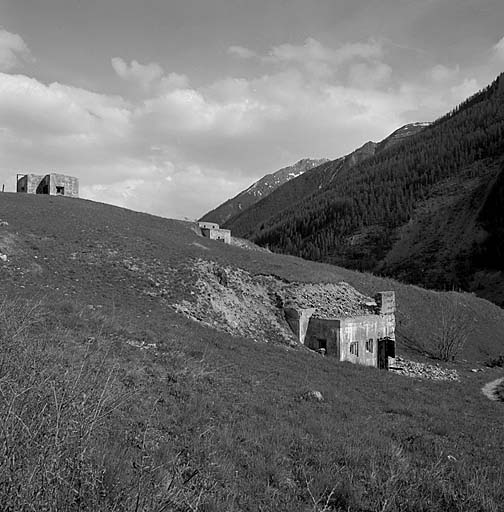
(382, 357)
(43, 187)
(60, 191)
(390, 347)
(322, 345)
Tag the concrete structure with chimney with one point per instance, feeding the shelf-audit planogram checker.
(344, 324)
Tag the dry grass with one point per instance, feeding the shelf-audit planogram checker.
(92, 420)
(213, 423)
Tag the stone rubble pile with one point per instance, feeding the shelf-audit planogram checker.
(422, 370)
(330, 300)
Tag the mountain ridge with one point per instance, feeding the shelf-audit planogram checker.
(311, 183)
(259, 189)
(357, 220)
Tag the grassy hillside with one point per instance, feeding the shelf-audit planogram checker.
(110, 400)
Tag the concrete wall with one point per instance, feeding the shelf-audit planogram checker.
(217, 234)
(69, 184)
(29, 183)
(298, 320)
(385, 302)
(208, 225)
(361, 329)
(324, 333)
(337, 335)
(52, 184)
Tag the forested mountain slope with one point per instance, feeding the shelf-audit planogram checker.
(418, 210)
(259, 190)
(246, 221)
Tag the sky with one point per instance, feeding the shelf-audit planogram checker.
(173, 106)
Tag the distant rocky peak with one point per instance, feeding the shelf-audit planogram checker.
(261, 189)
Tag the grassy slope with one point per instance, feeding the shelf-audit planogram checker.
(216, 422)
(55, 229)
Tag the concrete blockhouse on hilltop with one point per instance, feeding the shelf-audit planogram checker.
(50, 184)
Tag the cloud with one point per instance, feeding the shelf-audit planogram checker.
(357, 62)
(13, 51)
(178, 150)
(440, 73)
(465, 89)
(147, 76)
(371, 75)
(498, 49)
(312, 50)
(241, 52)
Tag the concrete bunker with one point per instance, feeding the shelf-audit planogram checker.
(214, 232)
(49, 184)
(354, 329)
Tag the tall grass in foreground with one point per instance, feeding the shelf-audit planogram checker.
(67, 439)
(88, 423)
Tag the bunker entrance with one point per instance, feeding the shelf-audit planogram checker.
(386, 349)
(43, 188)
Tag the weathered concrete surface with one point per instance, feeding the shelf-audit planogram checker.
(51, 184)
(298, 320)
(366, 332)
(217, 234)
(489, 389)
(208, 225)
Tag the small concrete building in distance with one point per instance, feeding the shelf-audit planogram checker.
(214, 232)
(337, 321)
(49, 184)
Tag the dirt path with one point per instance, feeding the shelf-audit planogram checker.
(489, 389)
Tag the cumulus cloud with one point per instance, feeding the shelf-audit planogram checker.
(13, 51)
(179, 150)
(147, 76)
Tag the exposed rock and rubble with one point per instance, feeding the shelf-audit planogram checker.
(330, 300)
(232, 300)
(235, 301)
(422, 370)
